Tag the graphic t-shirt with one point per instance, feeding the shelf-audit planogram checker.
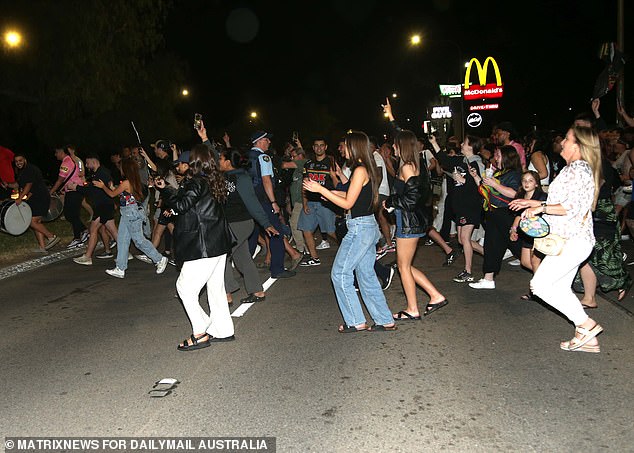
(319, 171)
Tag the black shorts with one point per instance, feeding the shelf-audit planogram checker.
(39, 205)
(468, 215)
(103, 212)
(163, 220)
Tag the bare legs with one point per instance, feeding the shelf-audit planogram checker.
(410, 276)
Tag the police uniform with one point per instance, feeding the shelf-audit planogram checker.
(261, 166)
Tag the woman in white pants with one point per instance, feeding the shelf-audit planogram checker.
(201, 243)
(571, 198)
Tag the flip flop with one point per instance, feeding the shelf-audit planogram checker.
(527, 296)
(430, 308)
(381, 328)
(343, 328)
(404, 316)
(588, 307)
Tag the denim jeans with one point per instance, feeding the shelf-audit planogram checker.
(357, 254)
(131, 228)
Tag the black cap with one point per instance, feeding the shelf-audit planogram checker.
(259, 135)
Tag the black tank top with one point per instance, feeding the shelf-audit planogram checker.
(363, 205)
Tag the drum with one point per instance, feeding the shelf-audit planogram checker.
(55, 209)
(14, 219)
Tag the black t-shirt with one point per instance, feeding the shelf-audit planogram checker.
(32, 174)
(96, 195)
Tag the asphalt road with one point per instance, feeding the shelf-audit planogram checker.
(80, 350)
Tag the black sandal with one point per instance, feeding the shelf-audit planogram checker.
(381, 328)
(195, 343)
(430, 308)
(343, 328)
(404, 316)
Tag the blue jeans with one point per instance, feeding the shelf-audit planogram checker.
(131, 228)
(357, 254)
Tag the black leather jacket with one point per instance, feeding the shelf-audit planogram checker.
(200, 228)
(413, 203)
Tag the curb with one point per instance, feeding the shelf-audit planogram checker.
(45, 260)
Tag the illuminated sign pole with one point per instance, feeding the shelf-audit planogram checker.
(482, 90)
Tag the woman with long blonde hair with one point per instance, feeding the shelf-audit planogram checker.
(572, 197)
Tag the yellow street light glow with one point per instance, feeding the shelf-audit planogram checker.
(394, 95)
(415, 40)
(185, 92)
(12, 38)
(254, 114)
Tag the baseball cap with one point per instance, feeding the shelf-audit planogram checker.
(183, 158)
(258, 135)
(162, 144)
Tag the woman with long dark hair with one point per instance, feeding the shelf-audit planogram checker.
(202, 241)
(133, 215)
(242, 208)
(498, 191)
(410, 194)
(357, 251)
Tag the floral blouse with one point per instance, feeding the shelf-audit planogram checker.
(573, 188)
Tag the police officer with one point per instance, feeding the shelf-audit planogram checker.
(261, 172)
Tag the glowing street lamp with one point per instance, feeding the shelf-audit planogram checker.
(12, 39)
(185, 92)
(394, 95)
(415, 40)
(253, 115)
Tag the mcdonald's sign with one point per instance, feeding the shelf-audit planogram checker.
(483, 90)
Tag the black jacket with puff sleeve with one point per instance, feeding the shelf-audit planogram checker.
(413, 203)
(200, 228)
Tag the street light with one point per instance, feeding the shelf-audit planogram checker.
(416, 40)
(185, 92)
(12, 39)
(254, 115)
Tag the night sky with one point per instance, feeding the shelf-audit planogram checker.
(316, 67)
(347, 55)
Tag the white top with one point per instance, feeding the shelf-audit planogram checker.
(384, 188)
(574, 189)
(546, 180)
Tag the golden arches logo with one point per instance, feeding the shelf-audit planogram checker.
(482, 72)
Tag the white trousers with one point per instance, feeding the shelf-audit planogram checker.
(196, 274)
(553, 280)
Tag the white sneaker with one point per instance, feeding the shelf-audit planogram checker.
(508, 254)
(116, 272)
(84, 236)
(85, 260)
(515, 262)
(161, 265)
(130, 257)
(258, 248)
(323, 245)
(144, 258)
(74, 243)
(483, 284)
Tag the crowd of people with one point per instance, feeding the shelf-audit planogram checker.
(214, 208)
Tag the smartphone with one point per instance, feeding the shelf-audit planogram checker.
(198, 121)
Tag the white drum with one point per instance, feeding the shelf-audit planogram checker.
(55, 209)
(14, 219)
